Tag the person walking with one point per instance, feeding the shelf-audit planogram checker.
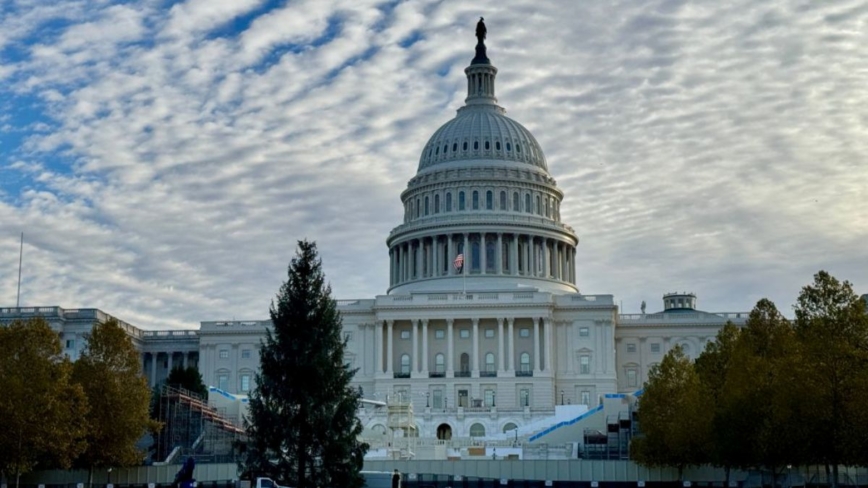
(396, 479)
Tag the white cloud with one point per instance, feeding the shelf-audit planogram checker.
(717, 148)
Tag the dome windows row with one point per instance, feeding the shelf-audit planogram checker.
(442, 150)
(435, 203)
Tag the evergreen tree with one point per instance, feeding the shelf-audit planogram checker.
(188, 378)
(301, 424)
(110, 374)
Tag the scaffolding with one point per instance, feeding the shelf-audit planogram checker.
(402, 424)
(192, 428)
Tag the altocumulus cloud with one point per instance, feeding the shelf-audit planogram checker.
(162, 159)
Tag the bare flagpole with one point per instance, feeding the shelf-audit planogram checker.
(20, 260)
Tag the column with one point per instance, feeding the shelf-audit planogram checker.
(378, 347)
(483, 254)
(524, 257)
(153, 369)
(556, 259)
(513, 255)
(549, 331)
(435, 256)
(544, 248)
(449, 347)
(403, 264)
(414, 356)
(499, 253)
(536, 348)
(466, 254)
(573, 267)
(169, 367)
(450, 255)
(425, 346)
(389, 363)
(419, 254)
(511, 344)
(500, 351)
(474, 360)
(184, 360)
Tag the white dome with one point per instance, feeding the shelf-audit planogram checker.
(482, 132)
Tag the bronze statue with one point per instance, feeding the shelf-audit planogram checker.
(481, 31)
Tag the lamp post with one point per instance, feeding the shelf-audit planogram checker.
(562, 397)
(427, 396)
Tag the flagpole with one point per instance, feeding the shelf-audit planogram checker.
(20, 260)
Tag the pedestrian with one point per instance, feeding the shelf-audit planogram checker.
(396, 479)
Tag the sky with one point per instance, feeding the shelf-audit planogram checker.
(163, 158)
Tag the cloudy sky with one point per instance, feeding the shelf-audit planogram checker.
(162, 158)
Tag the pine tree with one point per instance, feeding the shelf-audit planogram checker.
(301, 424)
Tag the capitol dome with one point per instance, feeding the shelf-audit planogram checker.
(482, 132)
(482, 212)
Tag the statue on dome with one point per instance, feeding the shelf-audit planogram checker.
(481, 31)
(481, 57)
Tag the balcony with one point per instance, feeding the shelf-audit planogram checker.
(434, 374)
(488, 374)
(523, 374)
(402, 375)
(462, 374)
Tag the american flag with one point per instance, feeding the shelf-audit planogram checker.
(459, 261)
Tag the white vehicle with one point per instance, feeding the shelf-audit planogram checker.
(267, 483)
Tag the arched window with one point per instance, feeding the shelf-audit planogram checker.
(405, 363)
(516, 204)
(475, 200)
(464, 147)
(503, 200)
(489, 363)
(418, 207)
(448, 202)
(509, 427)
(439, 363)
(379, 429)
(445, 148)
(437, 203)
(474, 256)
(454, 147)
(477, 430)
(538, 206)
(490, 262)
(461, 200)
(489, 200)
(524, 362)
(487, 145)
(508, 147)
(527, 207)
(437, 151)
(426, 205)
(497, 145)
(475, 145)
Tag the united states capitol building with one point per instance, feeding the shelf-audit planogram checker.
(504, 344)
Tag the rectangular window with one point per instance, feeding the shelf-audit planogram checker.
(405, 334)
(461, 200)
(448, 202)
(464, 333)
(70, 343)
(489, 333)
(245, 354)
(437, 399)
(475, 200)
(436, 204)
(524, 397)
(631, 347)
(489, 398)
(245, 382)
(439, 334)
(224, 353)
(524, 332)
(584, 332)
(585, 364)
(586, 397)
(489, 201)
(223, 381)
(655, 347)
(632, 380)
